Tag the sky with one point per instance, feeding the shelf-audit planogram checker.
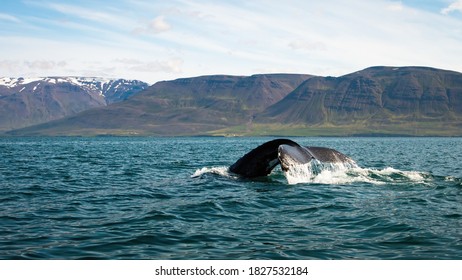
(164, 40)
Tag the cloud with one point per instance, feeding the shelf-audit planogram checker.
(189, 38)
(32, 64)
(172, 65)
(84, 13)
(455, 6)
(157, 25)
(128, 61)
(7, 17)
(17, 68)
(307, 45)
(9, 66)
(395, 6)
(44, 64)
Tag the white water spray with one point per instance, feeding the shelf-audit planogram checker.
(220, 170)
(348, 172)
(316, 172)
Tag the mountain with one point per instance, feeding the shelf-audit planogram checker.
(186, 106)
(389, 100)
(417, 101)
(25, 102)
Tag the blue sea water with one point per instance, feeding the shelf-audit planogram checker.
(172, 198)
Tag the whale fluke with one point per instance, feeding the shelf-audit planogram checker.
(289, 155)
(263, 159)
(292, 155)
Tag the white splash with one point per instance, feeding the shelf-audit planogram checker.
(347, 173)
(221, 170)
(319, 172)
(316, 172)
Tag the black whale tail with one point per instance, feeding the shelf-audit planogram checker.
(261, 160)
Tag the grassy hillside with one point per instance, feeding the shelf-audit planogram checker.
(354, 129)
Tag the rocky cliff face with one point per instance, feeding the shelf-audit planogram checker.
(25, 102)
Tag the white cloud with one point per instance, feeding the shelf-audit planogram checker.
(21, 68)
(157, 25)
(127, 61)
(193, 38)
(307, 45)
(455, 6)
(44, 64)
(84, 13)
(9, 68)
(173, 65)
(7, 17)
(396, 6)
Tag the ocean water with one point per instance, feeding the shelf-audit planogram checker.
(172, 198)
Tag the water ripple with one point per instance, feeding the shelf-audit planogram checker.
(172, 198)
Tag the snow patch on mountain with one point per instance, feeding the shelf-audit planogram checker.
(14, 82)
(93, 84)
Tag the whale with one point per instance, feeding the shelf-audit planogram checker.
(263, 159)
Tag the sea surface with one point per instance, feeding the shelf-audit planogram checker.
(173, 198)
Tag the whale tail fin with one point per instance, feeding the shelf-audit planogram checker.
(261, 160)
(291, 155)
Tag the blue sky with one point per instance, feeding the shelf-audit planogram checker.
(163, 40)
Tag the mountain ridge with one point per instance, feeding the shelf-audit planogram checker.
(412, 92)
(185, 106)
(380, 100)
(30, 101)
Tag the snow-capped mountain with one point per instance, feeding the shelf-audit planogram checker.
(29, 101)
(112, 90)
